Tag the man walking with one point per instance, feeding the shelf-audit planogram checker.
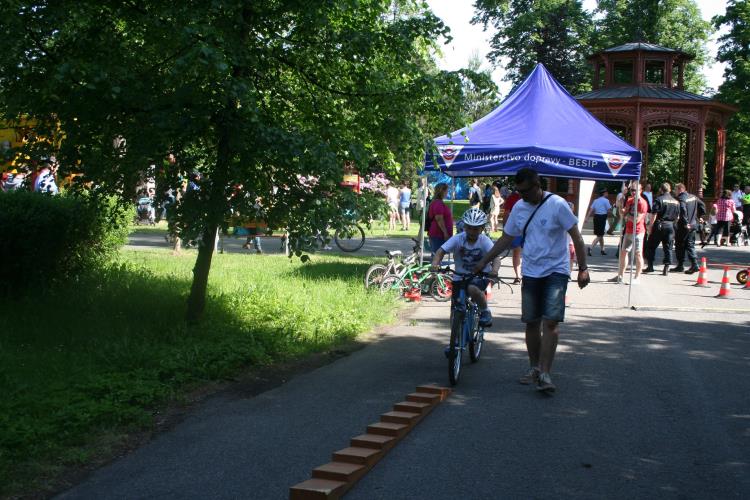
(600, 210)
(667, 211)
(543, 222)
(691, 209)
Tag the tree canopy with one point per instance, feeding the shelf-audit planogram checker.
(734, 50)
(553, 32)
(255, 95)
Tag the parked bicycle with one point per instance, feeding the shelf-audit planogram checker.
(417, 280)
(376, 272)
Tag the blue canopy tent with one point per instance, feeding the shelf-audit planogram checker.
(539, 125)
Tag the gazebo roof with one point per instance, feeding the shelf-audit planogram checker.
(626, 47)
(642, 91)
(641, 46)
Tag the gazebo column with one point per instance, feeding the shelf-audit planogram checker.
(721, 150)
(697, 165)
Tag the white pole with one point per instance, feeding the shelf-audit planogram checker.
(636, 200)
(423, 216)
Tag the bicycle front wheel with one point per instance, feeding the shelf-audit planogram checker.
(476, 337)
(454, 349)
(394, 285)
(350, 238)
(374, 275)
(441, 288)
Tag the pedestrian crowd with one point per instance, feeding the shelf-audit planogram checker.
(42, 179)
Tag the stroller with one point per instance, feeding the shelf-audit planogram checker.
(737, 232)
(145, 212)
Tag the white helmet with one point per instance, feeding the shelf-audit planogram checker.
(474, 217)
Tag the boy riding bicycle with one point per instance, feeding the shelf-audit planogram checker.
(468, 248)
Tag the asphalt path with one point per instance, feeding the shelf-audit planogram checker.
(652, 402)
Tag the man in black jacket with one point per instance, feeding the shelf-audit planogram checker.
(667, 211)
(691, 210)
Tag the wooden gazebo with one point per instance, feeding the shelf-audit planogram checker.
(639, 86)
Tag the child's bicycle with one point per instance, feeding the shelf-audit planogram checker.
(376, 272)
(466, 332)
(416, 280)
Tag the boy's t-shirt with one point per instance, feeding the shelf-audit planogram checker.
(466, 255)
(545, 248)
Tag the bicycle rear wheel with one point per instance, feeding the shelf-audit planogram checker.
(454, 349)
(350, 238)
(742, 276)
(374, 275)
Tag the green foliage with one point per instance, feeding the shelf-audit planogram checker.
(51, 238)
(676, 24)
(553, 32)
(734, 50)
(253, 94)
(112, 347)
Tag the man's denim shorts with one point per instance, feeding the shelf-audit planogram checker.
(543, 298)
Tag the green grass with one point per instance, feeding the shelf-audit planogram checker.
(86, 363)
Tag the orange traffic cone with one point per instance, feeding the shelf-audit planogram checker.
(724, 290)
(702, 280)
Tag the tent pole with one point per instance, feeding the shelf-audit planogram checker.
(423, 216)
(636, 201)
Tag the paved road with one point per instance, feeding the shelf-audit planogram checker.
(650, 403)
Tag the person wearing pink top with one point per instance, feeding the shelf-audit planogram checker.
(629, 239)
(440, 219)
(724, 208)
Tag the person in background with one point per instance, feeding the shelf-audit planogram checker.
(440, 219)
(45, 179)
(404, 206)
(486, 198)
(692, 209)
(496, 201)
(724, 208)
(632, 237)
(737, 195)
(475, 195)
(666, 211)
(510, 202)
(746, 208)
(391, 196)
(648, 195)
(423, 193)
(600, 208)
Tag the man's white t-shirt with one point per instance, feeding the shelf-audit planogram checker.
(467, 255)
(545, 249)
(601, 205)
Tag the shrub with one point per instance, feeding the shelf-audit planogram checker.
(50, 238)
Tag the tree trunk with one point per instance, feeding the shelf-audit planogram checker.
(197, 300)
(215, 209)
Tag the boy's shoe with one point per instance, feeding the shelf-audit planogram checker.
(531, 377)
(545, 383)
(485, 318)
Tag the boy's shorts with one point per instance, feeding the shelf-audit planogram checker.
(544, 298)
(627, 243)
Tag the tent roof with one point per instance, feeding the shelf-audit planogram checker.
(542, 126)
